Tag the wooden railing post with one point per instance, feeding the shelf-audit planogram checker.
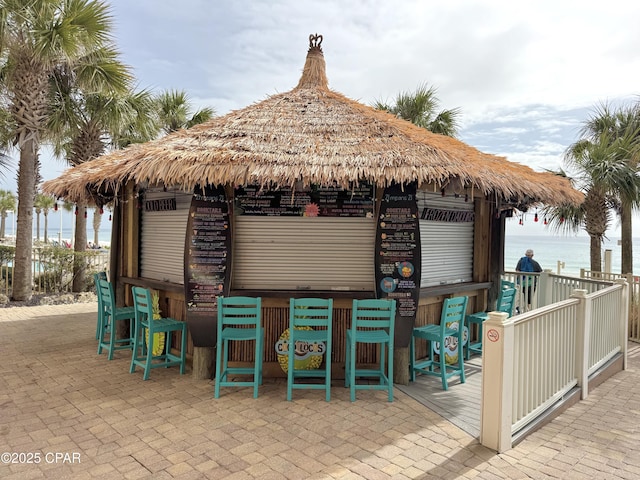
(583, 328)
(497, 379)
(624, 321)
(546, 289)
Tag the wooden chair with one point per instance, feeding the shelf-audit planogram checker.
(372, 322)
(506, 302)
(147, 326)
(310, 324)
(108, 317)
(451, 325)
(239, 319)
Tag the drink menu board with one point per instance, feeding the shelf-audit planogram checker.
(398, 259)
(309, 201)
(207, 262)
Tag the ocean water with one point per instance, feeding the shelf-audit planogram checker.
(573, 251)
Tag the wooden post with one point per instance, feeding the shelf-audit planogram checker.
(583, 326)
(204, 359)
(497, 378)
(401, 366)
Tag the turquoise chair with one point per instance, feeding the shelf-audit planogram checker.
(453, 311)
(100, 324)
(372, 322)
(239, 319)
(310, 324)
(146, 328)
(506, 302)
(109, 316)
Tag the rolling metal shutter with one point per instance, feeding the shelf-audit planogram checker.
(162, 236)
(303, 253)
(447, 247)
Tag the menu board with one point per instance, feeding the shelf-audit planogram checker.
(207, 262)
(309, 201)
(398, 259)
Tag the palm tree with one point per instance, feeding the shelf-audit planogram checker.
(622, 126)
(97, 220)
(37, 38)
(420, 107)
(7, 204)
(174, 111)
(43, 203)
(83, 125)
(602, 174)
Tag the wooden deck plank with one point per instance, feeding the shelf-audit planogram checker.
(460, 404)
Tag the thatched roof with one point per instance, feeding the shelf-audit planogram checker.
(316, 135)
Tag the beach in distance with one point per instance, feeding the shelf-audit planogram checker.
(570, 249)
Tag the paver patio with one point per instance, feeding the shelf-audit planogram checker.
(58, 396)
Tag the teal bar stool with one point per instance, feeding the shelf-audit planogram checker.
(109, 315)
(453, 312)
(239, 319)
(147, 327)
(310, 326)
(506, 302)
(100, 323)
(372, 322)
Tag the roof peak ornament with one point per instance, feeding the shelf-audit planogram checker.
(314, 72)
(315, 41)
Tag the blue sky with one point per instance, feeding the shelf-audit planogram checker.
(524, 74)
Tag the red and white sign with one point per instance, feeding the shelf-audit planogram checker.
(493, 335)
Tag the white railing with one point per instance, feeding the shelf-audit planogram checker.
(548, 288)
(52, 267)
(634, 297)
(530, 361)
(544, 356)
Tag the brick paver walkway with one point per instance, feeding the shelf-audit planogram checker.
(74, 414)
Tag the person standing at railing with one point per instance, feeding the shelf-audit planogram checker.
(529, 282)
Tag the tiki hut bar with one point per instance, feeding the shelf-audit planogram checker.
(307, 194)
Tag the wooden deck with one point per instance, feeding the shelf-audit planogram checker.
(460, 404)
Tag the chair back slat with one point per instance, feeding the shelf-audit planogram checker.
(311, 312)
(506, 284)
(453, 310)
(142, 303)
(239, 311)
(506, 301)
(107, 298)
(379, 313)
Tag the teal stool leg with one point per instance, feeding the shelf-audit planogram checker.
(290, 365)
(183, 350)
(461, 358)
(257, 370)
(216, 393)
(390, 373)
(443, 367)
(136, 346)
(347, 357)
(352, 373)
(381, 365)
(412, 359)
(327, 371)
(112, 338)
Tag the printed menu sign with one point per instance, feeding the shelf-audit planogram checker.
(398, 259)
(310, 201)
(207, 261)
